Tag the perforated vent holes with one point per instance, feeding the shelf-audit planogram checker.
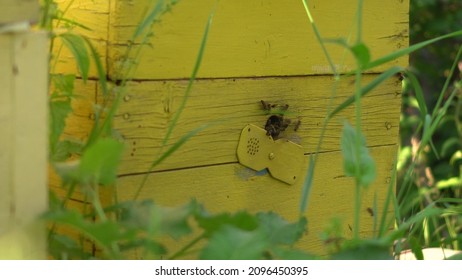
(253, 145)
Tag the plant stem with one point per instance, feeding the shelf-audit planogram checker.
(358, 142)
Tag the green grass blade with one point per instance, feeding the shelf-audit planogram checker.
(319, 38)
(306, 189)
(418, 218)
(383, 226)
(167, 153)
(149, 19)
(419, 95)
(374, 214)
(76, 44)
(402, 52)
(191, 79)
(447, 82)
(376, 82)
(102, 80)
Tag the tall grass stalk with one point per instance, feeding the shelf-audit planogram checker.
(430, 123)
(177, 115)
(306, 189)
(358, 78)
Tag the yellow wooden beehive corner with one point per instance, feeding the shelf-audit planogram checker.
(256, 50)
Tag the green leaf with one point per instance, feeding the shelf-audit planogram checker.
(361, 53)
(405, 156)
(76, 44)
(418, 93)
(102, 77)
(455, 257)
(451, 146)
(174, 221)
(211, 224)
(364, 250)
(367, 172)
(147, 244)
(64, 149)
(453, 182)
(279, 231)
(155, 219)
(99, 162)
(455, 158)
(62, 247)
(105, 234)
(64, 85)
(59, 110)
(230, 243)
(68, 171)
(417, 218)
(416, 248)
(292, 254)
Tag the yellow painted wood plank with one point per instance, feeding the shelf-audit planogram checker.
(146, 111)
(232, 187)
(93, 14)
(18, 10)
(23, 156)
(256, 38)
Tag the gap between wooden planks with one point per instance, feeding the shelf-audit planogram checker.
(230, 104)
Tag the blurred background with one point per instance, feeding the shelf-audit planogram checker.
(437, 177)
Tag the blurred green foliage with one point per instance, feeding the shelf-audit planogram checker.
(430, 19)
(437, 177)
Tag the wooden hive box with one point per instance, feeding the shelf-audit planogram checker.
(23, 130)
(256, 50)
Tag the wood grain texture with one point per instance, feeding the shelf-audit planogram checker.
(23, 155)
(256, 38)
(18, 10)
(232, 187)
(148, 108)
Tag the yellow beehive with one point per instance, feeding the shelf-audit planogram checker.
(256, 50)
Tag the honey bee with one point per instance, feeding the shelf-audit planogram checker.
(370, 211)
(277, 123)
(297, 124)
(266, 105)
